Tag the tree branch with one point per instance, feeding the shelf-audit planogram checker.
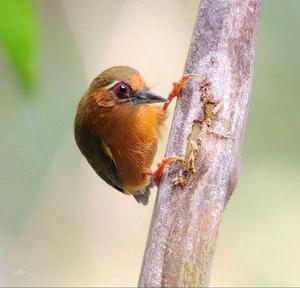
(207, 131)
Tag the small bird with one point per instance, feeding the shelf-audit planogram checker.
(117, 127)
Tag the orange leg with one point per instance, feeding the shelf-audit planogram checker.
(156, 175)
(177, 87)
(159, 170)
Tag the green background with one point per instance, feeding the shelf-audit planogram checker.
(60, 224)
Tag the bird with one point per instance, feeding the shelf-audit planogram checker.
(117, 129)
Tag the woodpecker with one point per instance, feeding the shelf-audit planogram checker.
(117, 127)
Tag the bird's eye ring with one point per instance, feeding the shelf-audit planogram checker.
(122, 90)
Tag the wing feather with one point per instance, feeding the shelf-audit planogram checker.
(99, 156)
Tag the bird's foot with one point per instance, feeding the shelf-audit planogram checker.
(177, 86)
(156, 175)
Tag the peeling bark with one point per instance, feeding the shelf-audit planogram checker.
(207, 131)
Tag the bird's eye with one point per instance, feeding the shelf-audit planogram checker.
(122, 90)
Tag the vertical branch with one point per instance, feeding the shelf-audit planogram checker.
(207, 131)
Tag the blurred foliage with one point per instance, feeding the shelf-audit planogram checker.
(34, 129)
(19, 38)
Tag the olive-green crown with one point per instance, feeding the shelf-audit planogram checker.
(120, 73)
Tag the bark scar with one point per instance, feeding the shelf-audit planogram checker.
(210, 109)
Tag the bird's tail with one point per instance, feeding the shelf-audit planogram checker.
(142, 196)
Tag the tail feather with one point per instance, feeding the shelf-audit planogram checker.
(142, 196)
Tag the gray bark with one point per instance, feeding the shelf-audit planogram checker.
(207, 131)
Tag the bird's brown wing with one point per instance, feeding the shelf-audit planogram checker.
(106, 167)
(99, 157)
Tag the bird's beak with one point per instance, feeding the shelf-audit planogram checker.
(146, 96)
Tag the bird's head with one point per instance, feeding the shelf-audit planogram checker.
(122, 85)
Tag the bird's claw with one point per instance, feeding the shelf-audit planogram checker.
(156, 175)
(177, 86)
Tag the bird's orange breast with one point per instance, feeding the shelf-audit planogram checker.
(132, 136)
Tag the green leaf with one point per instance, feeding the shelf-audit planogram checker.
(19, 38)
